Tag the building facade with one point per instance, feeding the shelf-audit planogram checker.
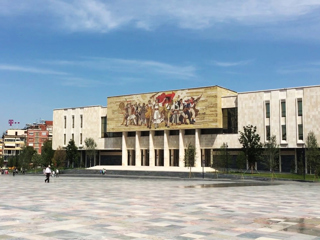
(38, 133)
(1, 148)
(13, 142)
(153, 129)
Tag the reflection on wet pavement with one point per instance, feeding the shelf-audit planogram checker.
(232, 184)
(308, 226)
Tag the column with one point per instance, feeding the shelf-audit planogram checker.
(138, 150)
(181, 148)
(166, 150)
(143, 157)
(198, 149)
(280, 169)
(124, 149)
(295, 161)
(151, 149)
(157, 157)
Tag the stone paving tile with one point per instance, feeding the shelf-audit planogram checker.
(107, 208)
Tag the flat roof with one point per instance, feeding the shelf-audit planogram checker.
(183, 89)
(279, 89)
(78, 107)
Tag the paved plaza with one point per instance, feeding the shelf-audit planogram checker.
(126, 208)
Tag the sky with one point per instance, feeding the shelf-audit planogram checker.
(75, 53)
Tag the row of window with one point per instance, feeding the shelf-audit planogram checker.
(37, 133)
(284, 132)
(73, 121)
(72, 137)
(37, 139)
(161, 133)
(283, 108)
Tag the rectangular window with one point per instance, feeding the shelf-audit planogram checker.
(64, 139)
(267, 110)
(189, 132)
(81, 121)
(113, 134)
(80, 138)
(230, 120)
(131, 134)
(144, 134)
(72, 136)
(103, 127)
(300, 107)
(268, 133)
(283, 109)
(72, 121)
(284, 132)
(300, 131)
(159, 133)
(65, 122)
(174, 133)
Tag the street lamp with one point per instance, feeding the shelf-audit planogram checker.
(203, 163)
(226, 155)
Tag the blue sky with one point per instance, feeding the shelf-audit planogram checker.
(72, 53)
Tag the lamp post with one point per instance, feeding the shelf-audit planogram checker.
(304, 161)
(226, 156)
(203, 163)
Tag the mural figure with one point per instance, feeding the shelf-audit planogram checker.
(161, 110)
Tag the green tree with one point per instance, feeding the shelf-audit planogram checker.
(271, 149)
(251, 145)
(91, 149)
(72, 153)
(223, 158)
(25, 156)
(36, 161)
(241, 161)
(313, 154)
(59, 157)
(1, 162)
(217, 163)
(47, 153)
(189, 157)
(13, 161)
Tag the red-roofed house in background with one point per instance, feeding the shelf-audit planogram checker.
(38, 133)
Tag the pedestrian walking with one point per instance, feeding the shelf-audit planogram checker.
(48, 173)
(57, 172)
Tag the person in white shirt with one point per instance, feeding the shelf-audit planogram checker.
(48, 173)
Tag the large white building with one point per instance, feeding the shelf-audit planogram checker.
(153, 129)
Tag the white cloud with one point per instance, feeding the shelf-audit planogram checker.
(80, 82)
(231, 64)
(136, 67)
(303, 67)
(103, 16)
(29, 70)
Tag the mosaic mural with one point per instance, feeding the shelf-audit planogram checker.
(191, 108)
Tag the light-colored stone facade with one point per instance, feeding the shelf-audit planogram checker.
(147, 147)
